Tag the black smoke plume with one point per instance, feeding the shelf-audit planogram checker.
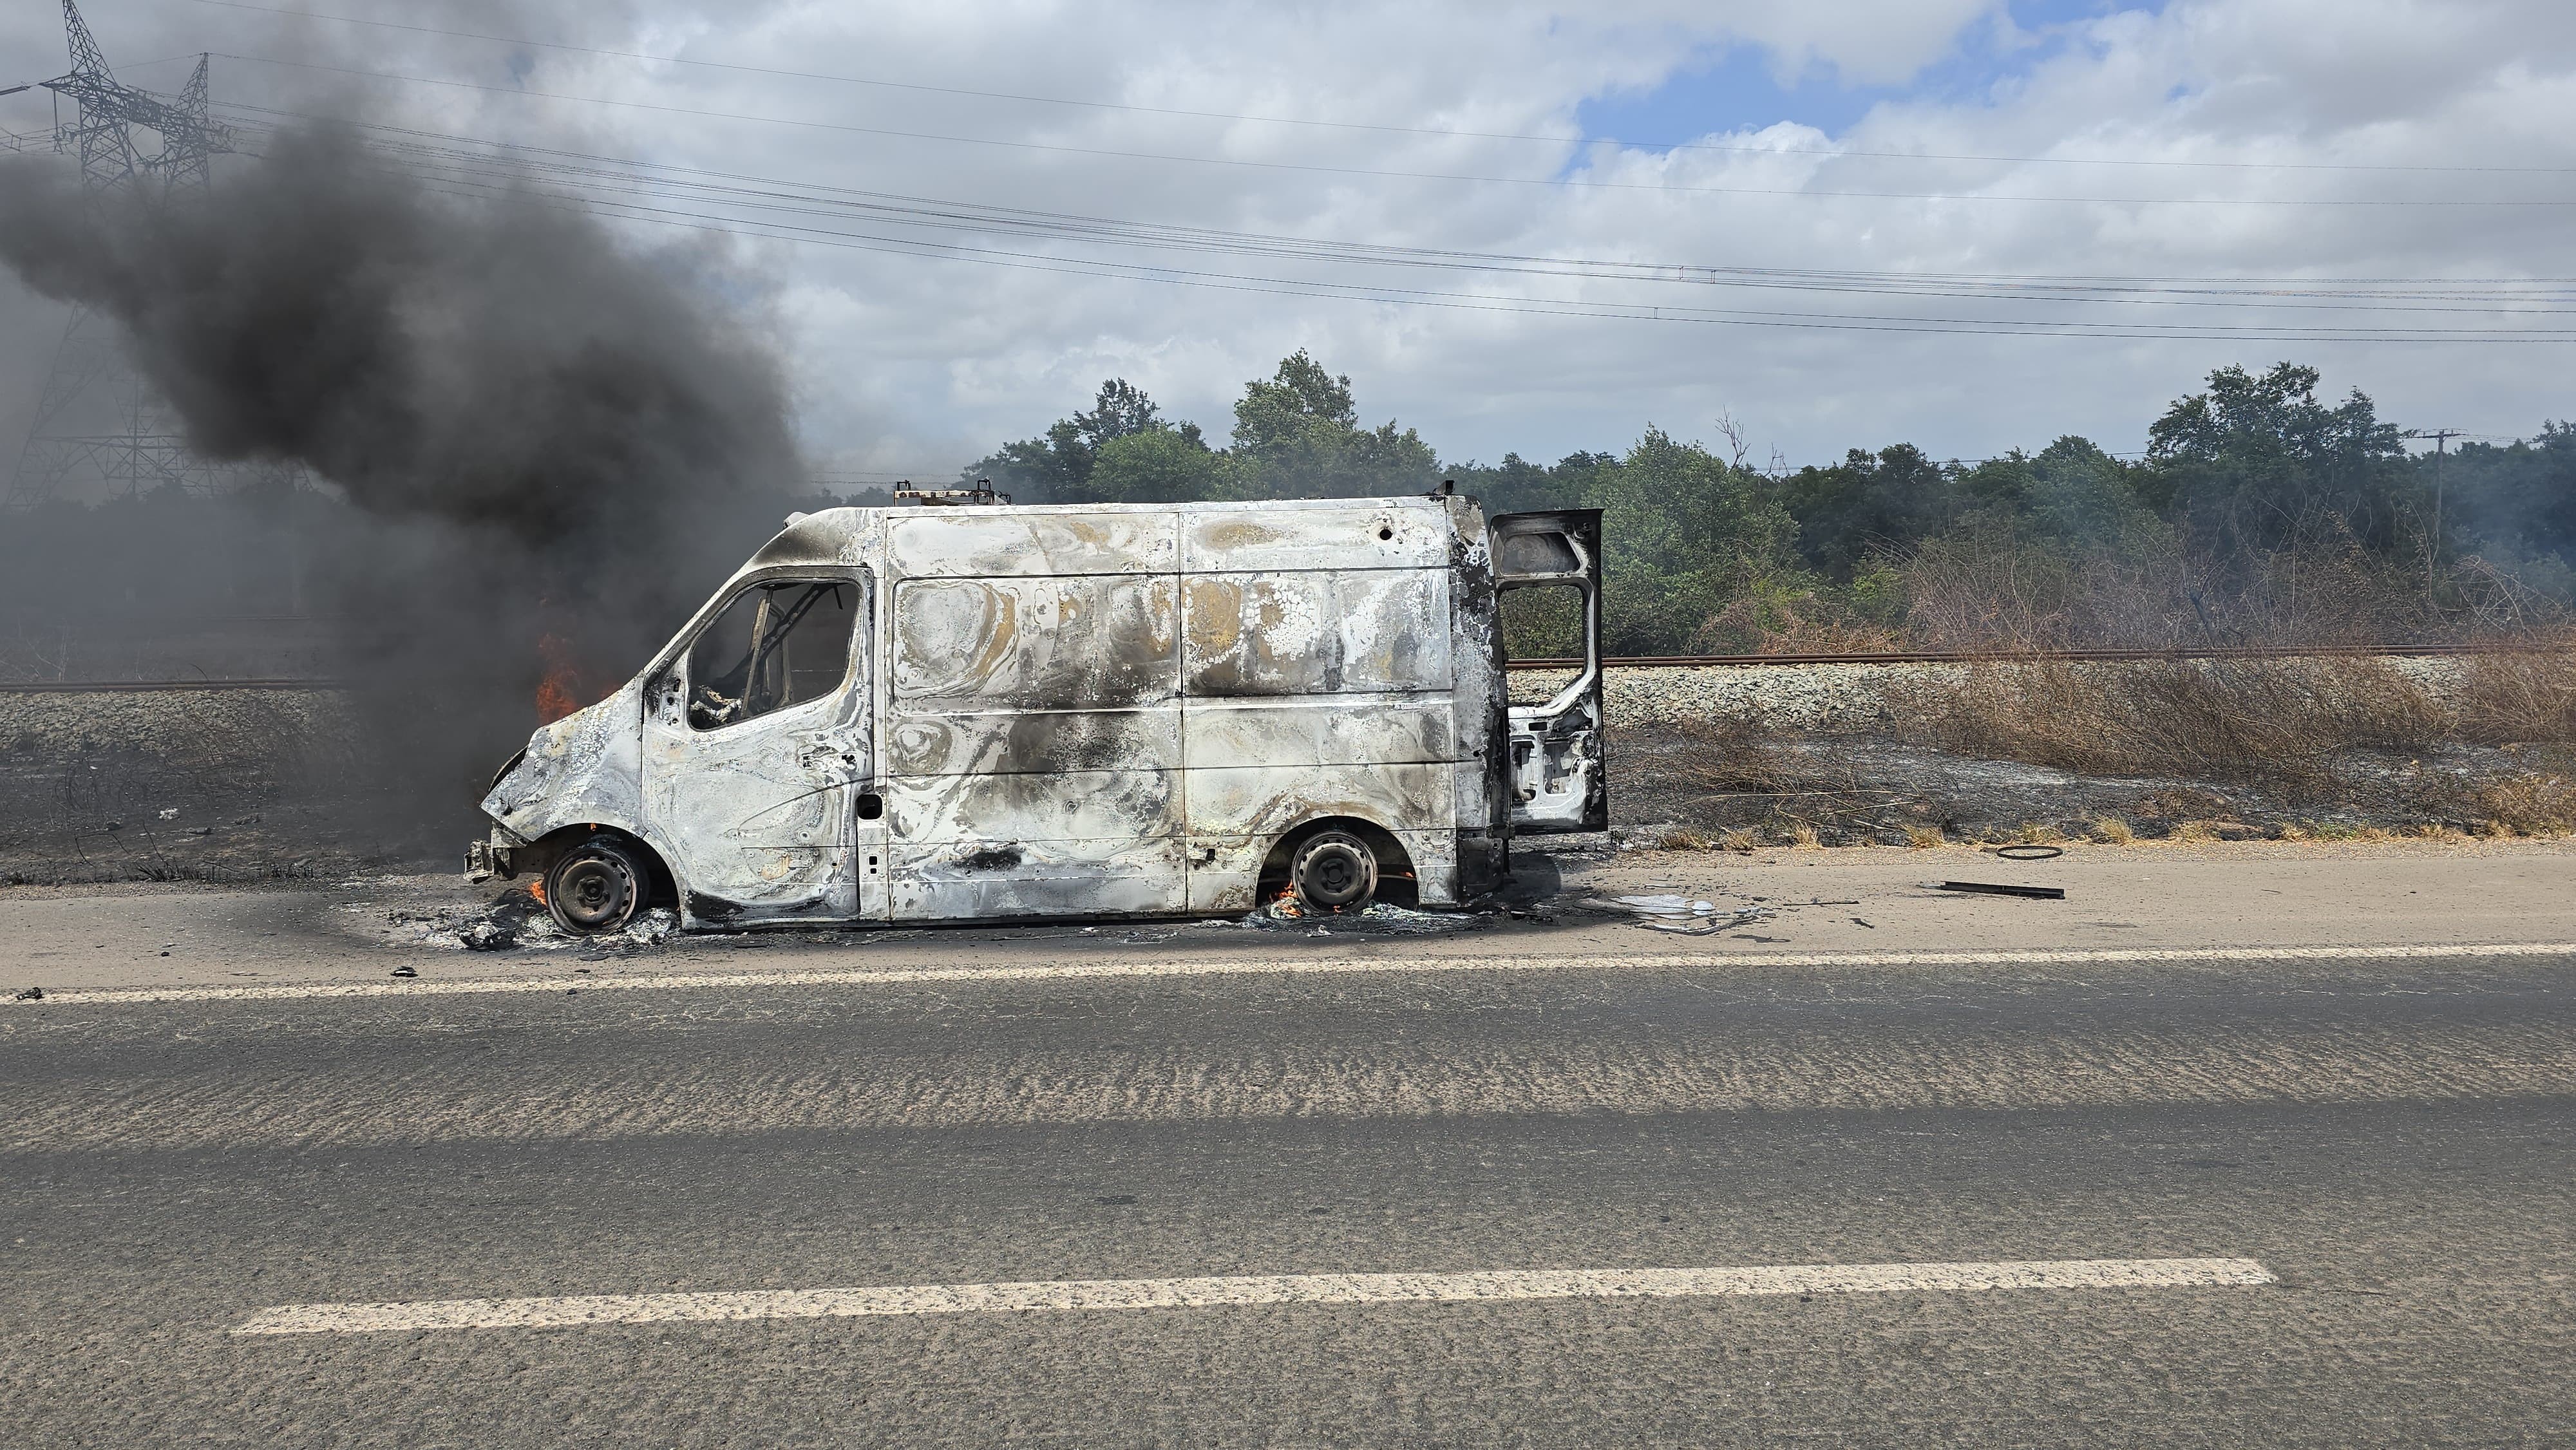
(555, 443)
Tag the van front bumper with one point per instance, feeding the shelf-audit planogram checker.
(493, 856)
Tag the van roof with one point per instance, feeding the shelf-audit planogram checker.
(819, 537)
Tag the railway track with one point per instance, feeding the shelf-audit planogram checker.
(1616, 662)
(1977, 657)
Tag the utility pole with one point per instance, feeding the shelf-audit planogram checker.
(97, 420)
(2440, 437)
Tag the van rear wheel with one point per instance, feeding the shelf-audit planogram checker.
(597, 887)
(1333, 871)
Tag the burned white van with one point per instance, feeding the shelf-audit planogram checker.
(971, 712)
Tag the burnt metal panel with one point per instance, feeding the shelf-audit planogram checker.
(985, 543)
(1376, 533)
(1089, 642)
(585, 768)
(1365, 730)
(759, 814)
(989, 878)
(1316, 632)
(1084, 805)
(1044, 742)
(1262, 800)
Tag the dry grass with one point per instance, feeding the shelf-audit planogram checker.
(2518, 698)
(2527, 803)
(2112, 831)
(1923, 837)
(2223, 719)
(1733, 756)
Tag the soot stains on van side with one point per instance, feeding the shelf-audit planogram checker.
(992, 858)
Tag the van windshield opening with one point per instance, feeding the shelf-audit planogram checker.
(777, 644)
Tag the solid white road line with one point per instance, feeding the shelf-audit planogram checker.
(1277, 966)
(1505, 1284)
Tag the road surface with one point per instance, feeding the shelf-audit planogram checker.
(1337, 1194)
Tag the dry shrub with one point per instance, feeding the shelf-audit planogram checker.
(1731, 756)
(2282, 719)
(2112, 831)
(1923, 837)
(2524, 697)
(2528, 803)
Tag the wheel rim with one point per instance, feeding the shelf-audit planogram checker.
(1335, 872)
(592, 893)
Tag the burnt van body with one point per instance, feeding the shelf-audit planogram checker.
(942, 713)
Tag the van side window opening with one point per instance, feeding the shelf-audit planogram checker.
(776, 645)
(1542, 622)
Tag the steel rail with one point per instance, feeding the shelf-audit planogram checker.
(2043, 656)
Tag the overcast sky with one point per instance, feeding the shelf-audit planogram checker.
(1964, 146)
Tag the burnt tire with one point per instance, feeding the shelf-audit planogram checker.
(1333, 871)
(597, 887)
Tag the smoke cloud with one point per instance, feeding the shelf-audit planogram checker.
(557, 443)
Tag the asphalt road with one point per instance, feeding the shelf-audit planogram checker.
(2395, 1141)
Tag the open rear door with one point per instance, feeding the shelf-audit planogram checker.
(1557, 785)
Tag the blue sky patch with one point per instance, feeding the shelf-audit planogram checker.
(1736, 89)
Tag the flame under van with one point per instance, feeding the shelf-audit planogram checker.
(971, 712)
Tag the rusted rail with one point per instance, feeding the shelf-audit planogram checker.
(1977, 657)
(1616, 662)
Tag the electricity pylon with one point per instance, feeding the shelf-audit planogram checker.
(97, 421)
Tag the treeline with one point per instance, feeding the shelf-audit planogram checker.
(2258, 514)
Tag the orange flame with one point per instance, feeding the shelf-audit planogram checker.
(559, 693)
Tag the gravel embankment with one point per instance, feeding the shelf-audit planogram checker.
(195, 725)
(192, 784)
(1820, 699)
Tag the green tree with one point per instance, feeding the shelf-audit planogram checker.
(2257, 464)
(1684, 534)
(1297, 435)
(1870, 503)
(2070, 495)
(1056, 467)
(1158, 465)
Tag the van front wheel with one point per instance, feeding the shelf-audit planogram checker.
(1333, 871)
(597, 887)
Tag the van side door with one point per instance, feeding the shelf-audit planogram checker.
(1547, 572)
(756, 742)
(1033, 725)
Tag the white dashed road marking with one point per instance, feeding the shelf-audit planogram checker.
(1086, 1294)
(1278, 966)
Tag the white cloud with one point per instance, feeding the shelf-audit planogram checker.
(906, 363)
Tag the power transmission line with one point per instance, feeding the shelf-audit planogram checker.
(1231, 116)
(498, 180)
(1316, 168)
(504, 165)
(1555, 306)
